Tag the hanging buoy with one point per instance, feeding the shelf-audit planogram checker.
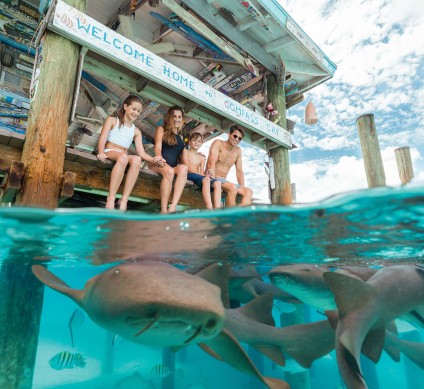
(311, 116)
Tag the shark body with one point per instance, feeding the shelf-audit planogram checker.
(156, 304)
(366, 308)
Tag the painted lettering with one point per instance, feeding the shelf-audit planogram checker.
(104, 38)
(128, 49)
(115, 44)
(81, 26)
(95, 32)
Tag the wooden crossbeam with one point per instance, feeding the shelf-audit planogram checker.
(68, 185)
(12, 182)
(90, 174)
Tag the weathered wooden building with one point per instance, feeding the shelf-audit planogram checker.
(222, 61)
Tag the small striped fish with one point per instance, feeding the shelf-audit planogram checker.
(67, 360)
(160, 371)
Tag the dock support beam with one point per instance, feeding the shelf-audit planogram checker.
(371, 150)
(282, 192)
(21, 302)
(48, 121)
(404, 164)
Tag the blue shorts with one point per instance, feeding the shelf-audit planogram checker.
(198, 178)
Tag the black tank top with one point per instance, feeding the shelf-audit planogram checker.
(172, 153)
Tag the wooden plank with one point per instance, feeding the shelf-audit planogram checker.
(97, 178)
(5, 136)
(240, 38)
(12, 182)
(202, 29)
(68, 185)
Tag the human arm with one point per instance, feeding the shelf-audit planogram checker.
(138, 140)
(212, 159)
(107, 126)
(158, 141)
(239, 170)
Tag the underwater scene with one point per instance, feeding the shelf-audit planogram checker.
(325, 296)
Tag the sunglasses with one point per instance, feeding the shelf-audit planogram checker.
(239, 138)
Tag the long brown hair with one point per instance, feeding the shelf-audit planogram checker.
(169, 135)
(128, 101)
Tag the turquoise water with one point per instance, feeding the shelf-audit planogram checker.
(367, 228)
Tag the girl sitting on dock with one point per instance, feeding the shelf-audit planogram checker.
(169, 146)
(115, 139)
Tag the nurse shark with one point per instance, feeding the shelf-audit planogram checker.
(156, 304)
(366, 308)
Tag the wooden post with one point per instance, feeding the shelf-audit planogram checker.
(371, 150)
(282, 192)
(404, 164)
(44, 149)
(21, 302)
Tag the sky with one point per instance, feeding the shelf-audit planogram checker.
(378, 48)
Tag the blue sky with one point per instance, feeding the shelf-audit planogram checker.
(378, 48)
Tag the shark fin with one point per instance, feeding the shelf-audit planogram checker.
(272, 352)
(49, 279)
(209, 351)
(372, 347)
(333, 318)
(226, 346)
(218, 275)
(349, 292)
(392, 351)
(259, 309)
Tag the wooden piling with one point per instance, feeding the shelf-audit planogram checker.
(48, 121)
(371, 151)
(404, 164)
(21, 301)
(282, 192)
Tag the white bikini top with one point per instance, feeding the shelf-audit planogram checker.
(122, 136)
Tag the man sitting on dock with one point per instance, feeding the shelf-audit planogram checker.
(222, 156)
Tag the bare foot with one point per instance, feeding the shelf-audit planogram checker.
(122, 205)
(172, 209)
(110, 203)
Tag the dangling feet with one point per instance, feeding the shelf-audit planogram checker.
(123, 204)
(172, 209)
(110, 202)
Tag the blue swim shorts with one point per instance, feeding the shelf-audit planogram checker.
(197, 179)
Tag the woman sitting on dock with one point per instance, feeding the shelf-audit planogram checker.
(169, 145)
(115, 139)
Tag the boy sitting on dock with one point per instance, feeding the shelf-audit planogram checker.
(196, 162)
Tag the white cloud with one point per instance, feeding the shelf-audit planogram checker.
(379, 52)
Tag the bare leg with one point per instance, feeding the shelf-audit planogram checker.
(118, 171)
(180, 181)
(231, 191)
(132, 175)
(246, 194)
(167, 173)
(217, 194)
(206, 192)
